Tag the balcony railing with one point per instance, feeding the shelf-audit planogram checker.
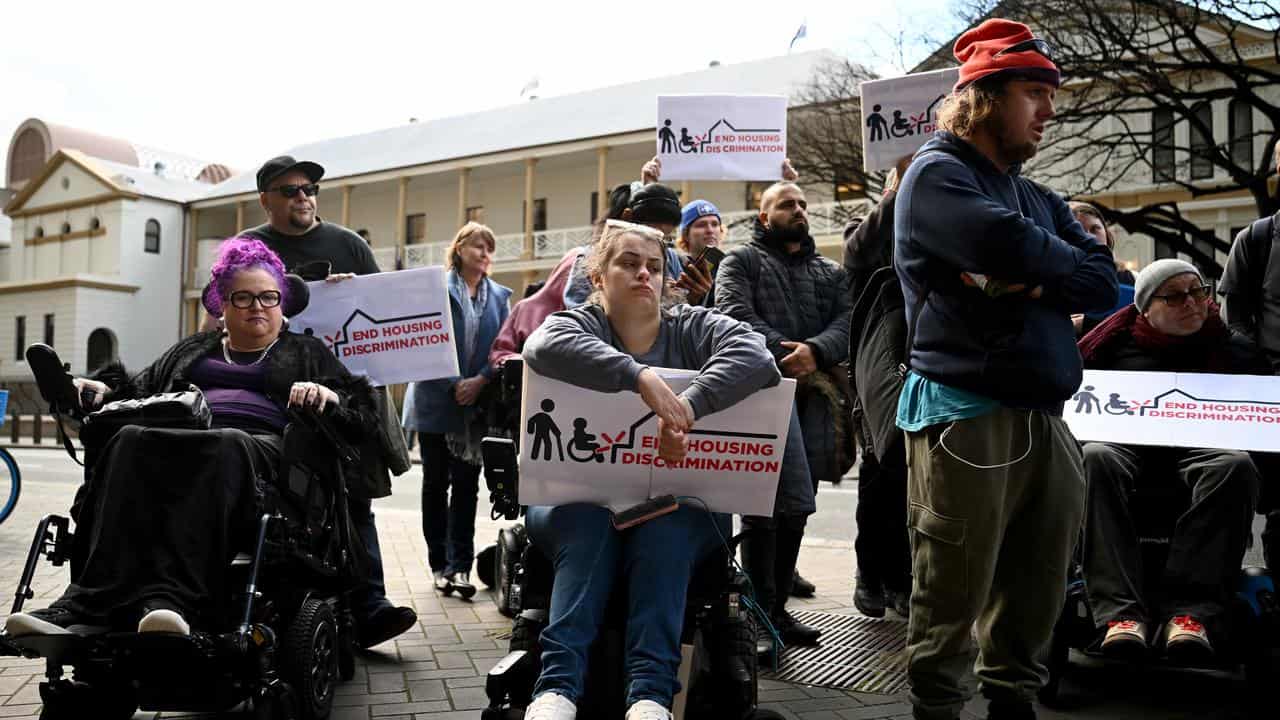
(824, 219)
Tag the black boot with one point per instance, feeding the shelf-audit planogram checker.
(868, 597)
(759, 550)
(802, 588)
(792, 631)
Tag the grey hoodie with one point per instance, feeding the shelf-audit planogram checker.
(579, 347)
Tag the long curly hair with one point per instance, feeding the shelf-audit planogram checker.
(235, 255)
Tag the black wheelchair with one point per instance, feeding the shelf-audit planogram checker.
(723, 670)
(1252, 643)
(289, 634)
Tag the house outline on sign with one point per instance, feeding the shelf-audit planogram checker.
(345, 335)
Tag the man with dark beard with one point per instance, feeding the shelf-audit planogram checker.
(992, 267)
(799, 301)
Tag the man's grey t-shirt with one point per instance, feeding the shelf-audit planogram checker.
(346, 251)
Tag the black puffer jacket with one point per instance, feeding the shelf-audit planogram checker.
(295, 358)
(800, 297)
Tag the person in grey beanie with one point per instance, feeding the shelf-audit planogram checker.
(1173, 326)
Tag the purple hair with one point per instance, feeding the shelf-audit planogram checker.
(235, 255)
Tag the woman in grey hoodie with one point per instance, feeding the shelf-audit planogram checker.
(610, 345)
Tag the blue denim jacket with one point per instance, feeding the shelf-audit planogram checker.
(429, 406)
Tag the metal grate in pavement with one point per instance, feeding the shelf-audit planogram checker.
(857, 653)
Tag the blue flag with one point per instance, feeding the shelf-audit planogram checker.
(803, 31)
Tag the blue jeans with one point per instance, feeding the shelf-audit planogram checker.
(371, 596)
(656, 559)
(448, 518)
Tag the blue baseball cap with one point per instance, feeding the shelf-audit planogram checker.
(695, 210)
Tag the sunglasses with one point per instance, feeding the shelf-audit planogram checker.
(1035, 45)
(1199, 294)
(243, 299)
(310, 190)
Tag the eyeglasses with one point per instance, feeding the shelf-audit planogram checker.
(1035, 45)
(243, 299)
(310, 190)
(1199, 294)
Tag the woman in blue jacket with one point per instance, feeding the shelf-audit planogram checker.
(447, 417)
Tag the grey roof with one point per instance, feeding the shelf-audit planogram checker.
(594, 113)
(145, 182)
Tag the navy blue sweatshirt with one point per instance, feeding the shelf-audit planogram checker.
(956, 212)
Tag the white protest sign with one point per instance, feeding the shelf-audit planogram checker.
(722, 137)
(1197, 410)
(602, 448)
(390, 327)
(900, 114)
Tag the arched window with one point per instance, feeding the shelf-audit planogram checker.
(66, 228)
(102, 349)
(95, 223)
(28, 156)
(152, 242)
(39, 231)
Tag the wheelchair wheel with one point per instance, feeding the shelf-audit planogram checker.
(311, 652)
(510, 548)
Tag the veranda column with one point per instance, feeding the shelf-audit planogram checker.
(464, 180)
(529, 164)
(602, 188)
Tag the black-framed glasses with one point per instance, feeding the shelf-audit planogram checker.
(1035, 45)
(243, 299)
(1199, 294)
(310, 189)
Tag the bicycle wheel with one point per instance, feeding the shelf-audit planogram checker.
(10, 482)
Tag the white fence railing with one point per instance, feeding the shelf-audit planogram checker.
(824, 219)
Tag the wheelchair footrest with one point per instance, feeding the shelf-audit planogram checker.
(510, 682)
(180, 672)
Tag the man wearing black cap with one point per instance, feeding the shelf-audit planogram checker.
(316, 250)
(287, 190)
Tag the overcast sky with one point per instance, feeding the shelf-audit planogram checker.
(236, 82)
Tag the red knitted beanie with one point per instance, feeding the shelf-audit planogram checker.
(980, 52)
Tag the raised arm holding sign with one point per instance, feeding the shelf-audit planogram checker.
(722, 137)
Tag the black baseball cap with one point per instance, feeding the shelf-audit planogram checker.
(655, 203)
(277, 166)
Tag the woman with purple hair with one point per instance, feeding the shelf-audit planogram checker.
(164, 511)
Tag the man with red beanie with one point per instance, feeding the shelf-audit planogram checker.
(992, 267)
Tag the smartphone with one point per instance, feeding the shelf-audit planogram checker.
(712, 255)
(647, 510)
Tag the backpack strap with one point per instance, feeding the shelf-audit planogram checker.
(1262, 237)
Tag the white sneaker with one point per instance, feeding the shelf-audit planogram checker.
(24, 624)
(1185, 640)
(461, 583)
(551, 706)
(647, 710)
(164, 621)
(441, 583)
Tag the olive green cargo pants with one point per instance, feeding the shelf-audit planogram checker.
(995, 506)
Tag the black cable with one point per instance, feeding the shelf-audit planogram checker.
(753, 604)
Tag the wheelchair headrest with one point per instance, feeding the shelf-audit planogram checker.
(296, 296)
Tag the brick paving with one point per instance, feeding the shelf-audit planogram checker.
(436, 670)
